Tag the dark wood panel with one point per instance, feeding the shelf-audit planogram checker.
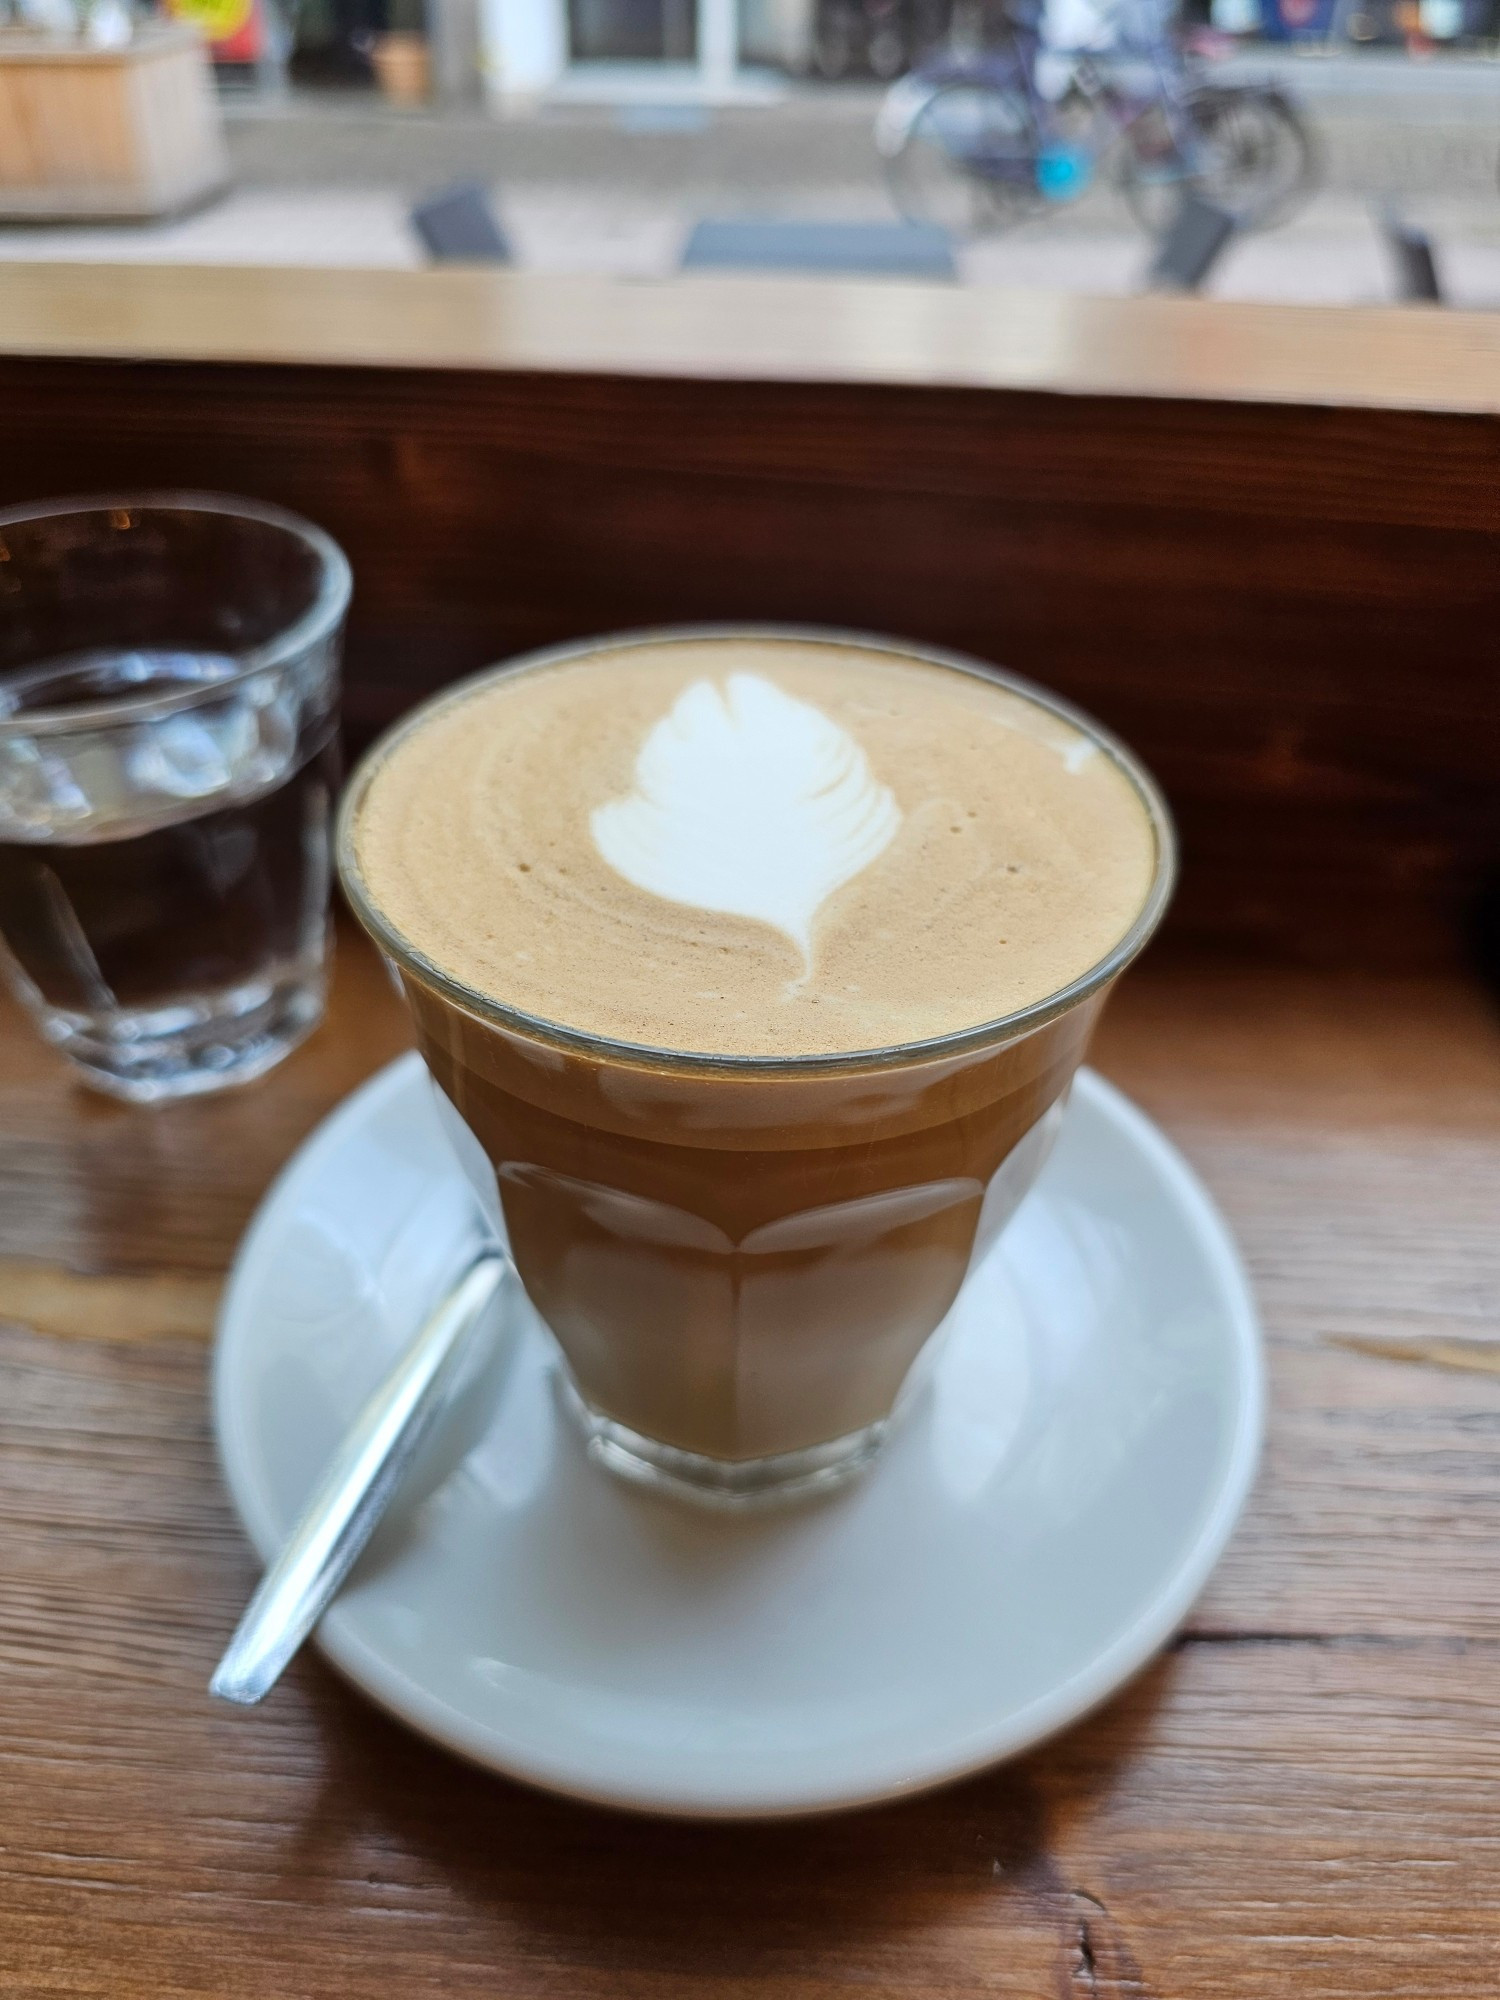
(1291, 612)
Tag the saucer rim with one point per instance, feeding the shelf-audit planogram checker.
(495, 1749)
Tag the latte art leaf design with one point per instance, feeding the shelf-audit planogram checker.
(750, 803)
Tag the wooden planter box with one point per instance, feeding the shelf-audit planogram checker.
(96, 133)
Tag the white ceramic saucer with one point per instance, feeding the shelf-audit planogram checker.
(1037, 1528)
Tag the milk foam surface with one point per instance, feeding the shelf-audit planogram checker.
(755, 846)
(748, 802)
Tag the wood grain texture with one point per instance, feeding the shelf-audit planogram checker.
(101, 1189)
(148, 1305)
(1299, 1798)
(1289, 610)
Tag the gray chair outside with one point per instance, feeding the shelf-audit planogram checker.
(1411, 251)
(866, 249)
(458, 226)
(1197, 237)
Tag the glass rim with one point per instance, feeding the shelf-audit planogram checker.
(308, 629)
(578, 1041)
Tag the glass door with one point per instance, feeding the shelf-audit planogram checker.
(607, 31)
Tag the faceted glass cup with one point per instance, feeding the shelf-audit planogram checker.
(743, 1259)
(169, 679)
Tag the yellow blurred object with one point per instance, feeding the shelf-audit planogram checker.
(215, 20)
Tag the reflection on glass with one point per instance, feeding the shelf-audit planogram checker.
(632, 30)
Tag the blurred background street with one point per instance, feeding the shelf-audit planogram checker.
(327, 176)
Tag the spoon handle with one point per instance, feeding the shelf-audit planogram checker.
(354, 1492)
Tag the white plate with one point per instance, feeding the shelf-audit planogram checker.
(1037, 1528)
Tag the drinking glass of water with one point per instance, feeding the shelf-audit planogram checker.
(169, 671)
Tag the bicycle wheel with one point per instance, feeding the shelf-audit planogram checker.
(968, 160)
(1249, 153)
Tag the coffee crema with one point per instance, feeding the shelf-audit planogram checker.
(754, 846)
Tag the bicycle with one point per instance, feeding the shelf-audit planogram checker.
(973, 143)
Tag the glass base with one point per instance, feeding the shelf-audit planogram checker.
(724, 1482)
(201, 1044)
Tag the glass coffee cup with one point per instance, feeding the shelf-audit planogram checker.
(743, 1257)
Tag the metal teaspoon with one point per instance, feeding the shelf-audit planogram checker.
(355, 1490)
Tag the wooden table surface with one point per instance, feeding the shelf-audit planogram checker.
(1299, 1798)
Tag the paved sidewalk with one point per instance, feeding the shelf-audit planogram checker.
(328, 181)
